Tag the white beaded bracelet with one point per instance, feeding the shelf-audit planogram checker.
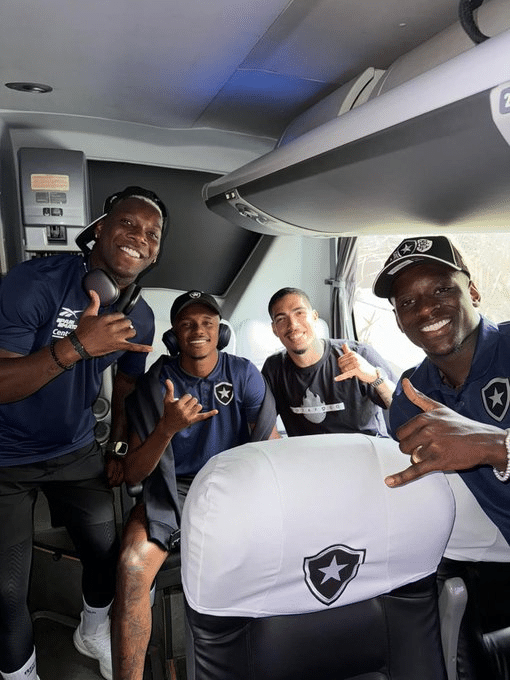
(504, 476)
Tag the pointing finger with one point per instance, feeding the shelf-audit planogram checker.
(133, 347)
(205, 415)
(345, 376)
(408, 475)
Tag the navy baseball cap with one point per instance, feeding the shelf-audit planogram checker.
(414, 251)
(190, 298)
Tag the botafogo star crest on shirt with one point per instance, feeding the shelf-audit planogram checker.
(224, 391)
(496, 398)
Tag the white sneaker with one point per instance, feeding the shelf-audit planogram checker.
(96, 647)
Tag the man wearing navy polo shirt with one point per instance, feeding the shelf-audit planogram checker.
(462, 423)
(451, 412)
(188, 407)
(55, 343)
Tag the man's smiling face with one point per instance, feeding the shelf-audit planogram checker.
(128, 239)
(435, 306)
(197, 331)
(294, 323)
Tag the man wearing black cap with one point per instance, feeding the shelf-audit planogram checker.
(460, 419)
(466, 369)
(188, 407)
(56, 339)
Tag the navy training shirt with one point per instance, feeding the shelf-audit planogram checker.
(236, 388)
(485, 397)
(42, 299)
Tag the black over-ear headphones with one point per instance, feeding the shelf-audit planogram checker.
(170, 339)
(109, 292)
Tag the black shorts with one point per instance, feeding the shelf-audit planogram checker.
(74, 484)
(158, 527)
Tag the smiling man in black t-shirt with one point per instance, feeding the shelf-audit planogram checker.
(323, 386)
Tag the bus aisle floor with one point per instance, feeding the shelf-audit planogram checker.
(56, 654)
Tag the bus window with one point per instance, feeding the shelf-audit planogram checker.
(488, 258)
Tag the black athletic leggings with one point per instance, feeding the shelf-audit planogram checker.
(80, 500)
(97, 547)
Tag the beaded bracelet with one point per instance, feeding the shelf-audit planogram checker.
(78, 346)
(504, 476)
(55, 357)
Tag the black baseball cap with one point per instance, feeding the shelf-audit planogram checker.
(414, 251)
(190, 298)
(87, 236)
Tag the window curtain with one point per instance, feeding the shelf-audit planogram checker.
(343, 286)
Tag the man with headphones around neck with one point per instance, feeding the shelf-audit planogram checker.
(56, 339)
(187, 408)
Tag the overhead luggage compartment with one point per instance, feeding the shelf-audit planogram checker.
(431, 153)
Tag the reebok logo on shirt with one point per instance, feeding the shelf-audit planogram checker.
(67, 321)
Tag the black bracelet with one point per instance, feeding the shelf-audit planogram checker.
(56, 359)
(78, 346)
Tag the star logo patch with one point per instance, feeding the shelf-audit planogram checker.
(496, 398)
(412, 246)
(328, 573)
(224, 392)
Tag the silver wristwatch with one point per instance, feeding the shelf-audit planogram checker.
(381, 377)
(116, 448)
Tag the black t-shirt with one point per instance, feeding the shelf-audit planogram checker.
(309, 401)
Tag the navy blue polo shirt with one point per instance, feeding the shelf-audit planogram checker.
(234, 387)
(485, 397)
(42, 299)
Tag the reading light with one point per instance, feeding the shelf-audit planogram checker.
(29, 87)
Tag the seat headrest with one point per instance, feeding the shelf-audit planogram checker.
(305, 523)
(256, 340)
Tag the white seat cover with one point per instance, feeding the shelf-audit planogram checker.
(306, 523)
(474, 537)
